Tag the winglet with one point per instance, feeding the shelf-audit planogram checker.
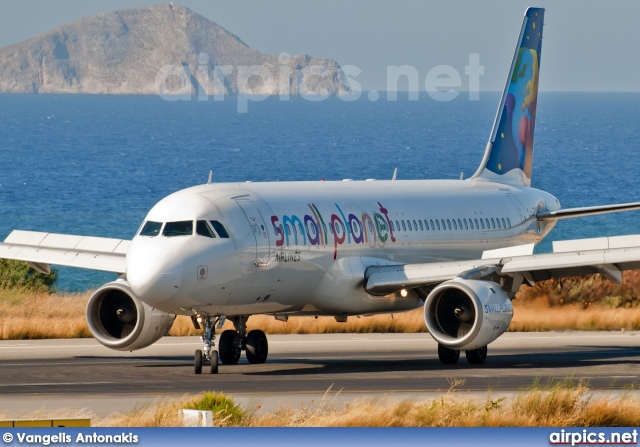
(509, 154)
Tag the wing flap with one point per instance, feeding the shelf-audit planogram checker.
(87, 252)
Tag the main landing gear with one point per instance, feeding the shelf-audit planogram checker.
(451, 356)
(232, 343)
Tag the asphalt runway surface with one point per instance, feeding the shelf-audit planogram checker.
(80, 373)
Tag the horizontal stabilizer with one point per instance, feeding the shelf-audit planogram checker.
(570, 213)
(43, 249)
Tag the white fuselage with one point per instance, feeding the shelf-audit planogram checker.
(302, 248)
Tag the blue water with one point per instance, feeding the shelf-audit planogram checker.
(94, 165)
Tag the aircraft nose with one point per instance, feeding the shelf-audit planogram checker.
(154, 274)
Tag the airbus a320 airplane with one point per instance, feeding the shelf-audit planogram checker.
(460, 248)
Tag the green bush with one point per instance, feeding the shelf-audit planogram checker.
(18, 274)
(224, 408)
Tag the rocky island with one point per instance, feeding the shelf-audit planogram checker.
(158, 49)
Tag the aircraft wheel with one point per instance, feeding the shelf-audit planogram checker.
(257, 347)
(477, 356)
(448, 356)
(214, 362)
(197, 364)
(229, 348)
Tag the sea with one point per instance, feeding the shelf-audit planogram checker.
(94, 165)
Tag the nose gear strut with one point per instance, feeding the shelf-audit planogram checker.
(208, 355)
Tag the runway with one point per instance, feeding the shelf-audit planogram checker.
(80, 373)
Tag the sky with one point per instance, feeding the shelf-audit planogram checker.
(589, 45)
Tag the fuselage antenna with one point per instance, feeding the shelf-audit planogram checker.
(210, 176)
(395, 174)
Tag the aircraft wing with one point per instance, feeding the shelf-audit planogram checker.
(608, 256)
(41, 250)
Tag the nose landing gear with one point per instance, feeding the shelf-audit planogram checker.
(207, 355)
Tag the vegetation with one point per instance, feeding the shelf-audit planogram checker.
(588, 303)
(18, 274)
(564, 403)
(226, 413)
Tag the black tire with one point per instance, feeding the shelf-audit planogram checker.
(214, 362)
(257, 347)
(229, 349)
(477, 356)
(448, 356)
(197, 364)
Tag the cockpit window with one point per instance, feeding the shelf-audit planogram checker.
(182, 228)
(151, 229)
(203, 229)
(220, 229)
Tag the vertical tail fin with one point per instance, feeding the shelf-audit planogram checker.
(509, 155)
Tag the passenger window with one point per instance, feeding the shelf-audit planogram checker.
(455, 226)
(426, 225)
(477, 225)
(220, 229)
(449, 224)
(288, 229)
(482, 223)
(202, 229)
(433, 228)
(498, 222)
(487, 221)
(504, 225)
(181, 228)
(415, 225)
(466, 227)
(324, 227)
(460, 224)
(421, 227)
(151, 229)
(493, 223)
(444, 225)
(409, 225)
(404, 227)
(438, 224)
(509, 222)
(300, 228)
(397, 226)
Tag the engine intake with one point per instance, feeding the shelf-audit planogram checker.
(120, 321)
(466, 314)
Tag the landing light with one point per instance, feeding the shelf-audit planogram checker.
(404, 293)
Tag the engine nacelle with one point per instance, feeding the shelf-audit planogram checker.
(465, 314)
(120, 321)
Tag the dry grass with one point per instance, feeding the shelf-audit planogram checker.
(557, 404)
(35, 315)
(537, 316)
(587, 303)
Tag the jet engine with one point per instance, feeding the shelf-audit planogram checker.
(464, 314)
(119, 320)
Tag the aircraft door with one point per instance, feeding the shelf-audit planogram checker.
(259, 230)
(517, 204)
